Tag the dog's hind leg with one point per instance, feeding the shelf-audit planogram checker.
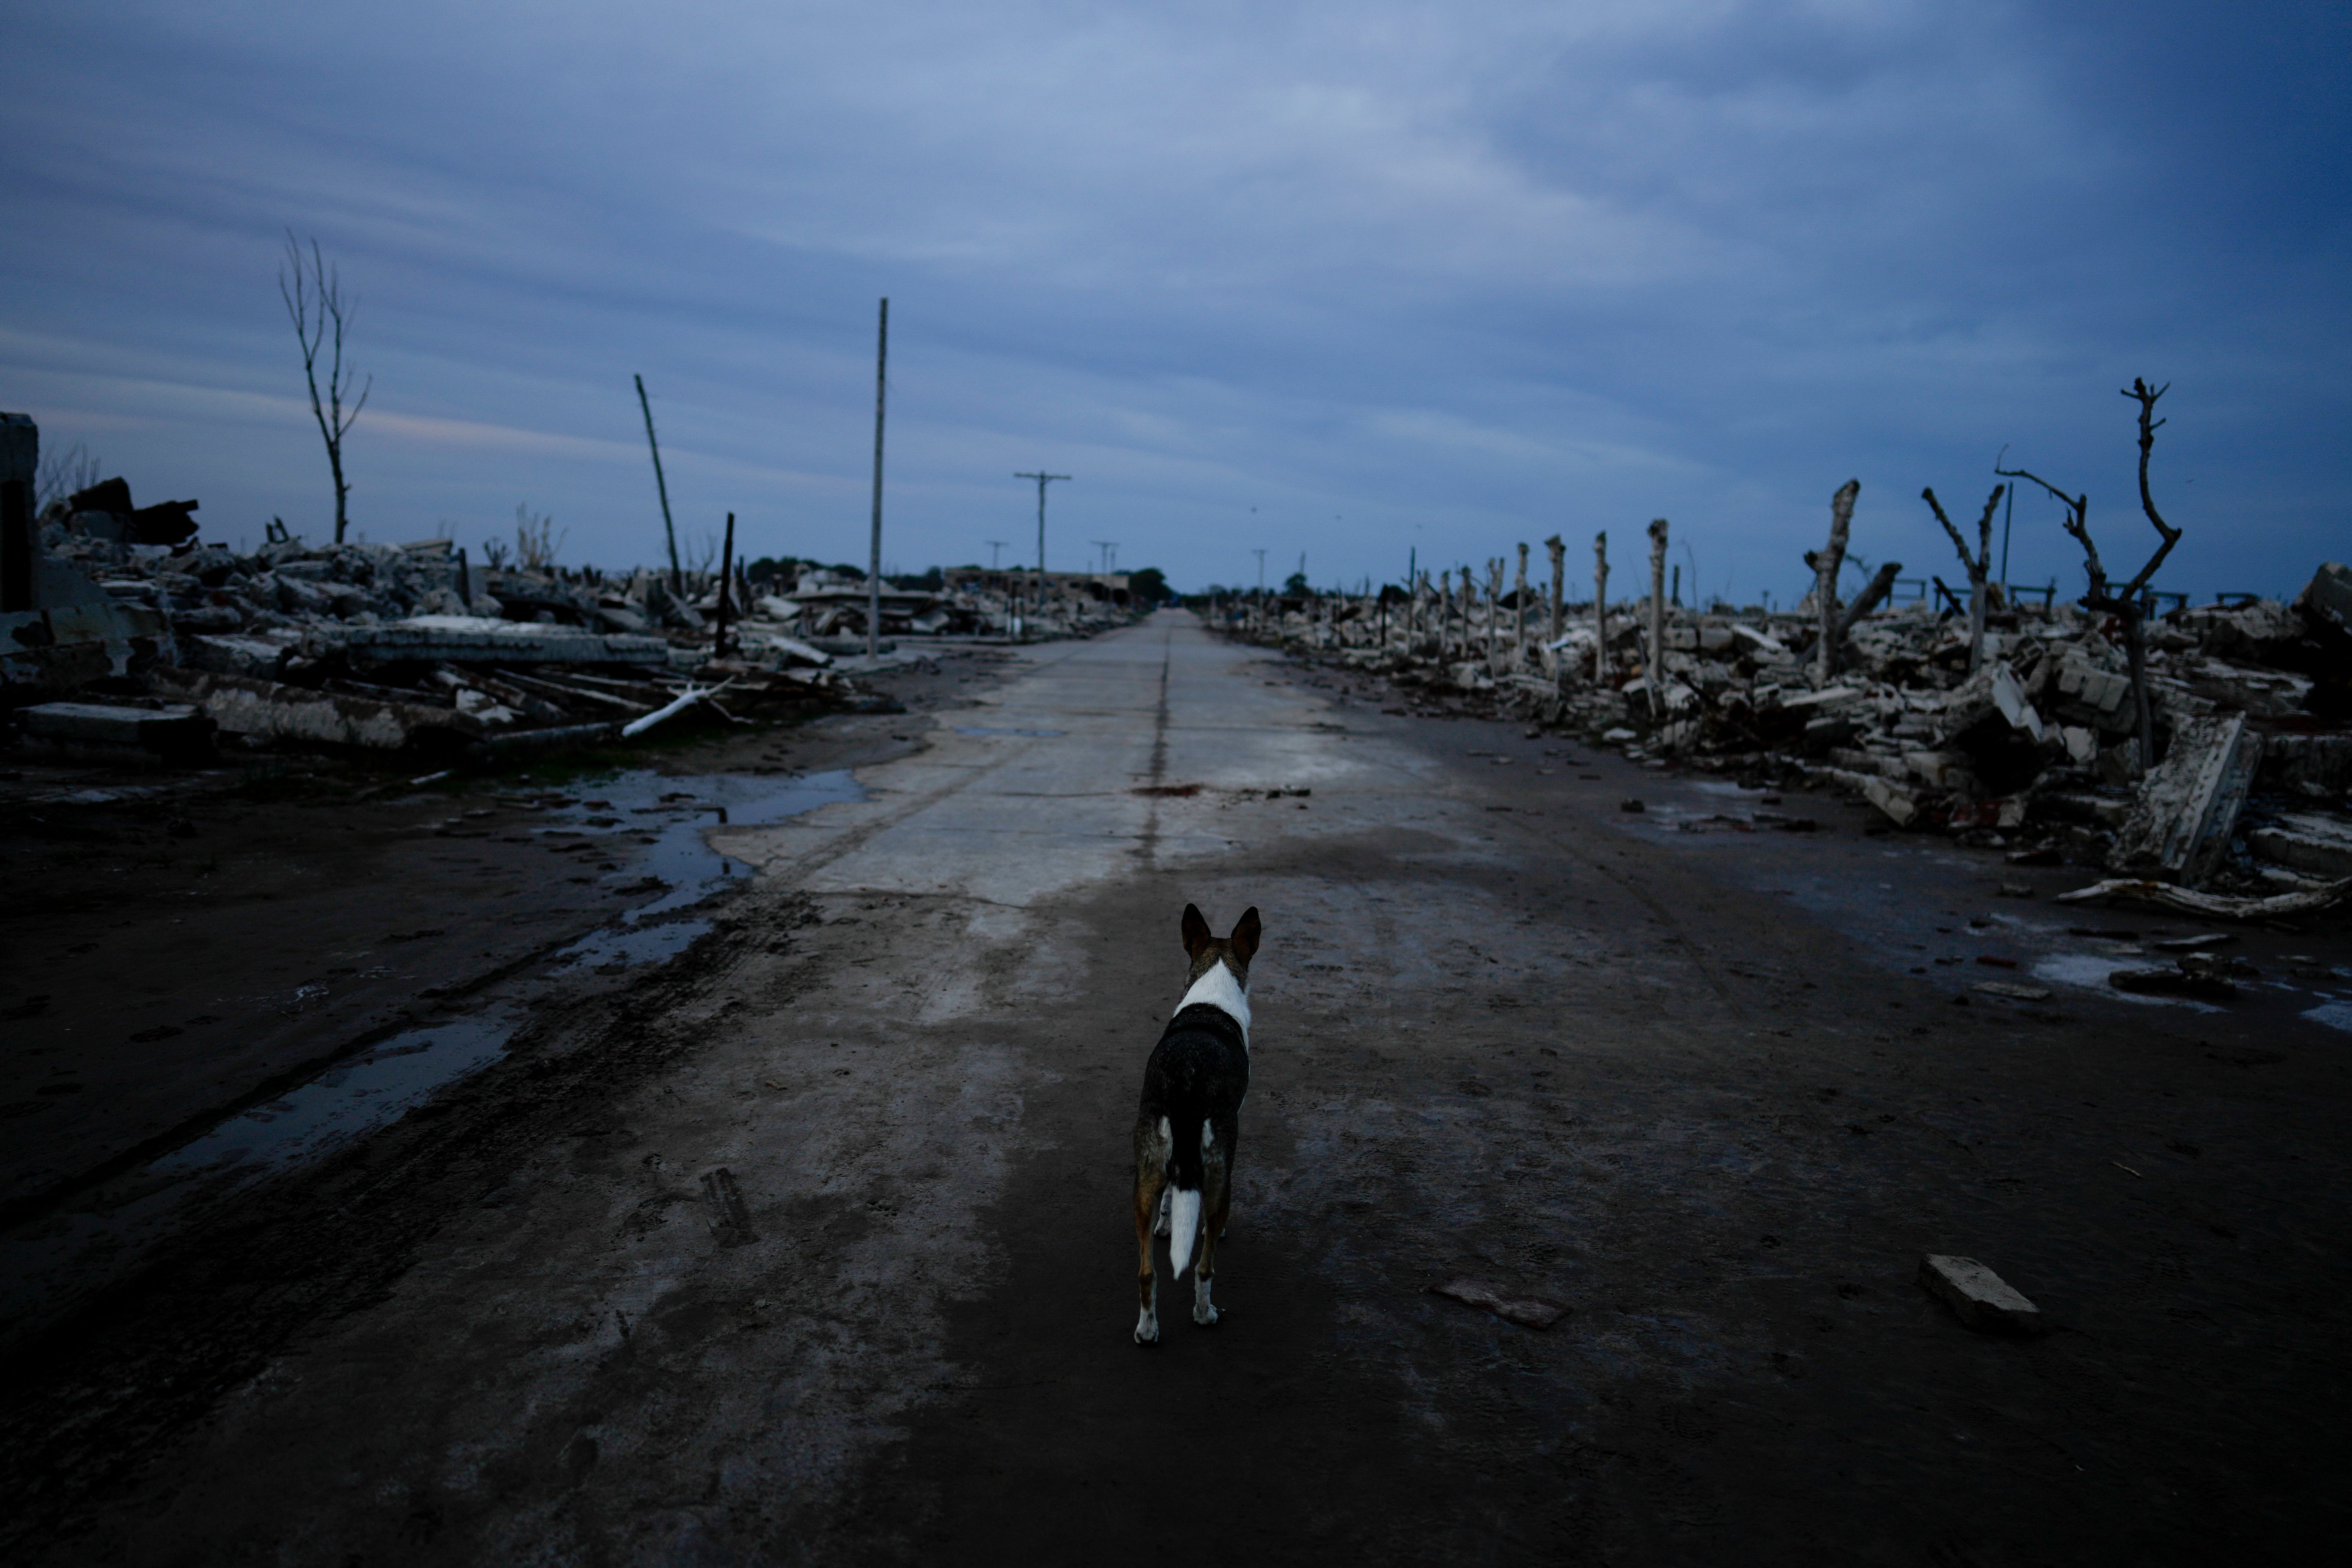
(1150, 1186)
(1166, 1194)
(1216, 1202)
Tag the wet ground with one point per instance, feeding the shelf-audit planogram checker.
(809, 1244)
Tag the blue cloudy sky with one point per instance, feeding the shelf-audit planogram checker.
(1348, 279)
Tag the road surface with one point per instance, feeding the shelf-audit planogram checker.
(814, 1248)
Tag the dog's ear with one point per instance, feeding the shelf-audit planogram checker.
(1196, 931)
(1245, 934)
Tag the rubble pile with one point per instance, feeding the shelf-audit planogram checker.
(2024, 741)
(123, 634)
(827, 607)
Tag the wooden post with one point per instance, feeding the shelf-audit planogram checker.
(1469, 614)
(873, 559)
(726, 586)
(1558, 554)
(1519, 611)
(1494, 611)
(1826, 567)
(661, 487)
(1654, 677)
(1601, 608)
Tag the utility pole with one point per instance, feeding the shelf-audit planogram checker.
(1106, 546)
(1043, 480)
(874, 562)
(993, 546)
(726, 589)
(676, 577)
(1260, 607)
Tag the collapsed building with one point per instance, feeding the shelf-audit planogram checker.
(123, 636)
(2010, 726)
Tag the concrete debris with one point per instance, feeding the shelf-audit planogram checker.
(1528, 1311)
(2182, 818)
(2198, 974)
(2014, 730)
(480, 639)
(2306, 841)
(1980, 1298)
(413, 647)
(112, 731)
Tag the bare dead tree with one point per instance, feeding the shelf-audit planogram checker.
(1977, 566)
(321, 314)
(2129, 608)
(1826, 564)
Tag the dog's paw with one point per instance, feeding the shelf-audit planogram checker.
(1147, 1333)
(1207, 1317)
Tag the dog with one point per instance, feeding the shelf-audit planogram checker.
(1189, 1122)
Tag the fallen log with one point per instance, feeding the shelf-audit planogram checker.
(2220, 905)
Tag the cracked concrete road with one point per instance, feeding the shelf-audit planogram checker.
(846, 1275)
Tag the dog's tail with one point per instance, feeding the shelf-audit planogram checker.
(1184, 1190)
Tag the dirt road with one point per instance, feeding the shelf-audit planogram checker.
(811, 1246)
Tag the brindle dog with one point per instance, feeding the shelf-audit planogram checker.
(1189, 1124)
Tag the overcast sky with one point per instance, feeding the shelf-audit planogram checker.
(1351, 278)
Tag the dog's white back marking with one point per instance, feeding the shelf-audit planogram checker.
(1220, 988)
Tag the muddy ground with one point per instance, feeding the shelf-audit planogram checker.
(809, 1243)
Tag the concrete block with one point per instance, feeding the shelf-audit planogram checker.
(2326, 600)
(2186, 810)
(172, 731)
(2306, 841)
(1829, 699)
(477, 640)
(1899, 805)
(2009, 696)
(243, 705)
(1939, 770)
(1980, 1298)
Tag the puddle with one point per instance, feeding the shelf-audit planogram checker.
(656, 824)
(628, 946)
(2334, 1015)
(1033, 734)
(675, 813)
(104, 1233)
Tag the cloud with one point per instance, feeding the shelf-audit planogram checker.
(1500, 270)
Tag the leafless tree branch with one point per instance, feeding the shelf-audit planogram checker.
(2170, 535)
(322, 315)
(1979, 566)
